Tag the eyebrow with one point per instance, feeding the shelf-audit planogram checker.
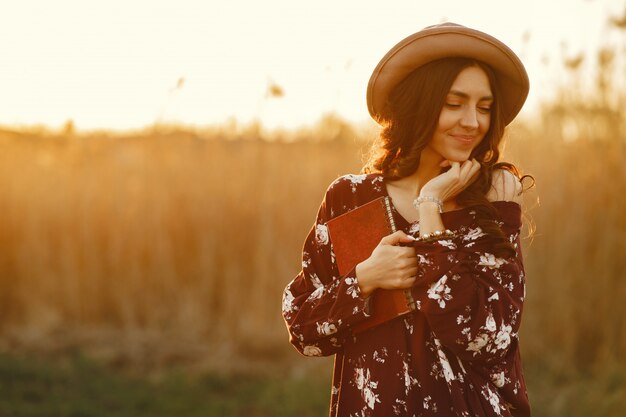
(465, 95)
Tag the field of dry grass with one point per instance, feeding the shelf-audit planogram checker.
(173, 247)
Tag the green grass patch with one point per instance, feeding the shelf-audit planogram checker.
(74, 386)
(77, 387)
(564, 391)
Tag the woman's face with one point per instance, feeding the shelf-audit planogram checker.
(465, 116)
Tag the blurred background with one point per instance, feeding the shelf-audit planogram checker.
(161, 163)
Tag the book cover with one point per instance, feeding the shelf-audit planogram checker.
(354, 235)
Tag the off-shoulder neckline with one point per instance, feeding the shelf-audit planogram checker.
(450, 213)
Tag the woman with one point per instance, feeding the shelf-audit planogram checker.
(443, 96)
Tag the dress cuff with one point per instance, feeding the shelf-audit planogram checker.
(350, 301)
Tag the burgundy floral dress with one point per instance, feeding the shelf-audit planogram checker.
(457, 355)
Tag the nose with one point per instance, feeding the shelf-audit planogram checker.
(469, 119)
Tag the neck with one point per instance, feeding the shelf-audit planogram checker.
(428, 169)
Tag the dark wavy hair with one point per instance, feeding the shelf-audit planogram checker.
(413, 115)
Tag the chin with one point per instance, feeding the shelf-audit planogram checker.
(457, 158)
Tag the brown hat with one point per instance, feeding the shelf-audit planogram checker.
(443, 41)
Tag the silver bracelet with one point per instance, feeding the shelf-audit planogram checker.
(419, 200)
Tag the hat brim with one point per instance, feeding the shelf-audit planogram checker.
(443, 41)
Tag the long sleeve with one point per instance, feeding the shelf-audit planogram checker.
(319, 305)
(472, 299)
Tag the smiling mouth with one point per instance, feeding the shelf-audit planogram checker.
(464, 138)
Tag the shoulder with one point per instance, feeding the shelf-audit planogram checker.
(356, 183)
(505, 186)
(353, 190)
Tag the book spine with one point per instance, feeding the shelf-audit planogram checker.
(390, 221)
(410, 301)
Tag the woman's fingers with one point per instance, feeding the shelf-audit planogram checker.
(396, 238)
(455, 168)
(469, 170)
(453, 181)
(467, 166)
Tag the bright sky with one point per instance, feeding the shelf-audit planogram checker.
(125, 64)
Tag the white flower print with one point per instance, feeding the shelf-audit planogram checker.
(409, 324)
(462, 319)
(353, 288)
(317, 294)
(364, 383)
(493, 399)
(312, 351)
(288, 300)
(399, 408)
(503, 338)
(440, 292)
(490, 261)
(415, 229)
(316, 281)
(377, 182)
(478, 343)
(321, 234)
(494, 296)
(463, 371)
(355, 180)
(474, 234)
(326, 329)
(428, 403)
(490, 323)
(422, 260)
(306, 260)
(498, 379)
(445, 364)
(447, 243)
(409, 381)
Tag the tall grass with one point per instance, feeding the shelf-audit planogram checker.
(154, 248)
(160, 248)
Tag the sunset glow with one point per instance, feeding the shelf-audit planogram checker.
(123, 65)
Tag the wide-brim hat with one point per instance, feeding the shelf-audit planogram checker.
(443, 41)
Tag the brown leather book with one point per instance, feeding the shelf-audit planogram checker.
(354, 235)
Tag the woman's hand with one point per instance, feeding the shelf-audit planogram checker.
(447, 185)
(389, 266)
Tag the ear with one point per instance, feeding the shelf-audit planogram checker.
(505, 186)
